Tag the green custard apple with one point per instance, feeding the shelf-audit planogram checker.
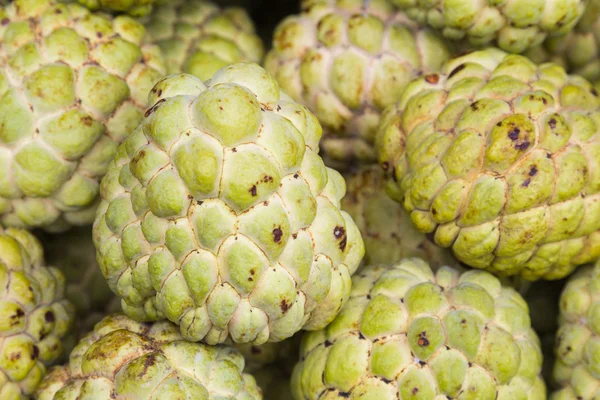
(198, 37)
(347, 60)
(73, 85)
(35, 316)
(410, 333)
(498, 159)
(136, 8)
(386, 228)
(125, 359)
(579, 50)
(577, 366)
(219, 215)
(514, 25)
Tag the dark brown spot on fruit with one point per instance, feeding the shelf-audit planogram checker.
(415, 390)
(340, 234)
(277, 233)
(328, 343)
(522, 146)
(423, 341)
(385, 166)
(514, 134)
(475, 106)
(527, 182)
(36, 353)
(432, 78)
(234, 150)
(457, 70)
(533, 170)
(552, 123)
(49, 316)
(295, 176)
(253, 190)
(284, 305)
(87, 120)
(98, 35)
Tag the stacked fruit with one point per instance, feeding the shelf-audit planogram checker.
(388, 204)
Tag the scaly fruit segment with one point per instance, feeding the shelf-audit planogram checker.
(499, 159)
(410, 333)
(219, 215)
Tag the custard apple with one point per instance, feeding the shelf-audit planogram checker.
(499, 159)
(386, 228)
(34, 314)
(198, 37)
(73, 85)
(513, 26)
(347, 60)
(73, 252)
(578, 51)
(577, 367)
(219, 215)
(409, 333)
(125, 359)
(136, 8)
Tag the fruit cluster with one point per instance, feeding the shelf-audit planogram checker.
(300, 199)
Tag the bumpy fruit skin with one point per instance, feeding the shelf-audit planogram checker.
(577, 366)
(125, 359)
(73, 85)
(407, 333)
(347, 61)
(34, 314)
(199, 38)
(387, 231)
(499, 159)
(219, 215)
(136, 8)
(578, 51)
(514, 26)
(73, 252)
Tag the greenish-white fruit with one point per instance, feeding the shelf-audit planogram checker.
(34, 314)
(219, 214)
(136, 8)
(499, 159)
(514, 26)
(198, 37)
(387, 231)
(347, 61)
(125, 359)
(73, 85)
(579, 50)
(577, 367)
(73, 252)
(409, 333)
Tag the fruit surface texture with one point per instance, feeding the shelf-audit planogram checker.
(219, 215)
(347, 61)
(34, 314)
(73, 85)
(409, 333)
(513, 25)
(198, 37)
(499, 159)
(124, 359)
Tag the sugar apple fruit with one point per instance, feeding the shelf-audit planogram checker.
(499, 159)
(73, 252)
(577, 367)
(136, 8)
(198, 37)
(219, 215)
(125, 359)
(386, 228)
(578, 51)
(513, 26)
(409, 333)
(72, 85)
(34, 314)
(347, 60)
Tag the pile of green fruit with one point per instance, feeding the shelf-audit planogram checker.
(299, 199)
